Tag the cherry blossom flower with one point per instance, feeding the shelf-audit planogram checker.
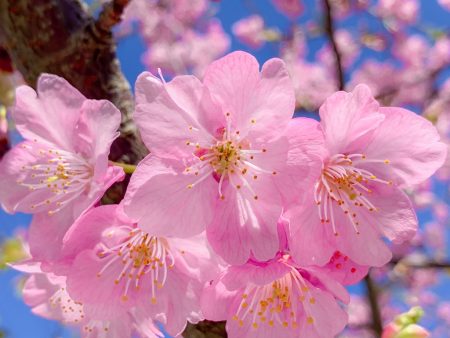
(63, 162)
(250, 31)
(220, 156)
(357, 197)
(313, 83)
(61, 168)
(399, 12)
(265, 299)
(192, 52)
(115, 267)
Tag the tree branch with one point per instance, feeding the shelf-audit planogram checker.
(110, 15)
(372, 298)
(330, 31)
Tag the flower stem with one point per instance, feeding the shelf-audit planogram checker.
(128, 168)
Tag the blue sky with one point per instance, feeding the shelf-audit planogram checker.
(15, 317)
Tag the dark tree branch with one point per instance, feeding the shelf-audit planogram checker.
(330, 31)
(372, 298)
(422, 265)
(110, 15)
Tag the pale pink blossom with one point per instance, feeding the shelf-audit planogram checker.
(63, 161)
(158, 20)
(412, 50)
(250, 31)
(220, 156)
(348, 48)
(313, 83)
(290, 8)
(115, 267)
(358, 195)
(399, 11)
(61, 168)
(445, 4)
(192, 53)
(263, 299)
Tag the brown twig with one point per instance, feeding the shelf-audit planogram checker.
(330, 31)
(372, 298)
(110, 15)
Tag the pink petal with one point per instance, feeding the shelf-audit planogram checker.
(51, 114)
(96, 130)
(365, 247)
(267, 98)
(243, 226)
(162, 117)
(46, 235)
(301, 168)
(411, 144)
(159, 198)
(309, 239)
(395, 216)
(216, 293)
(344, 270)
(349, 119)
(87, 230)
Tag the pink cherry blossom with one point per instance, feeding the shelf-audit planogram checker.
(63, 162)
(61, 168)
(313, 83)
(191, 53)
(116, 268)
(348, 48)
(220, 157)
(250, 31)
(291, 8)
(264, 299)
(399, 11)
(357, 197)
(445, 4)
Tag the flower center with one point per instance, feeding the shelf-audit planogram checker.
(230, 157)
(346, 186)
(63, 175)
(140, 255)
(277, 303)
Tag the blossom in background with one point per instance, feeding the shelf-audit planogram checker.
(348, 48)
(290, 8)
(192, 53)
(115, 268)
(250, 31)
(445, 4)
(218, 148)
(264, 299)
(398, 12)
(357, 197)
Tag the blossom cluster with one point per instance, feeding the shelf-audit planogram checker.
(239, 213)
